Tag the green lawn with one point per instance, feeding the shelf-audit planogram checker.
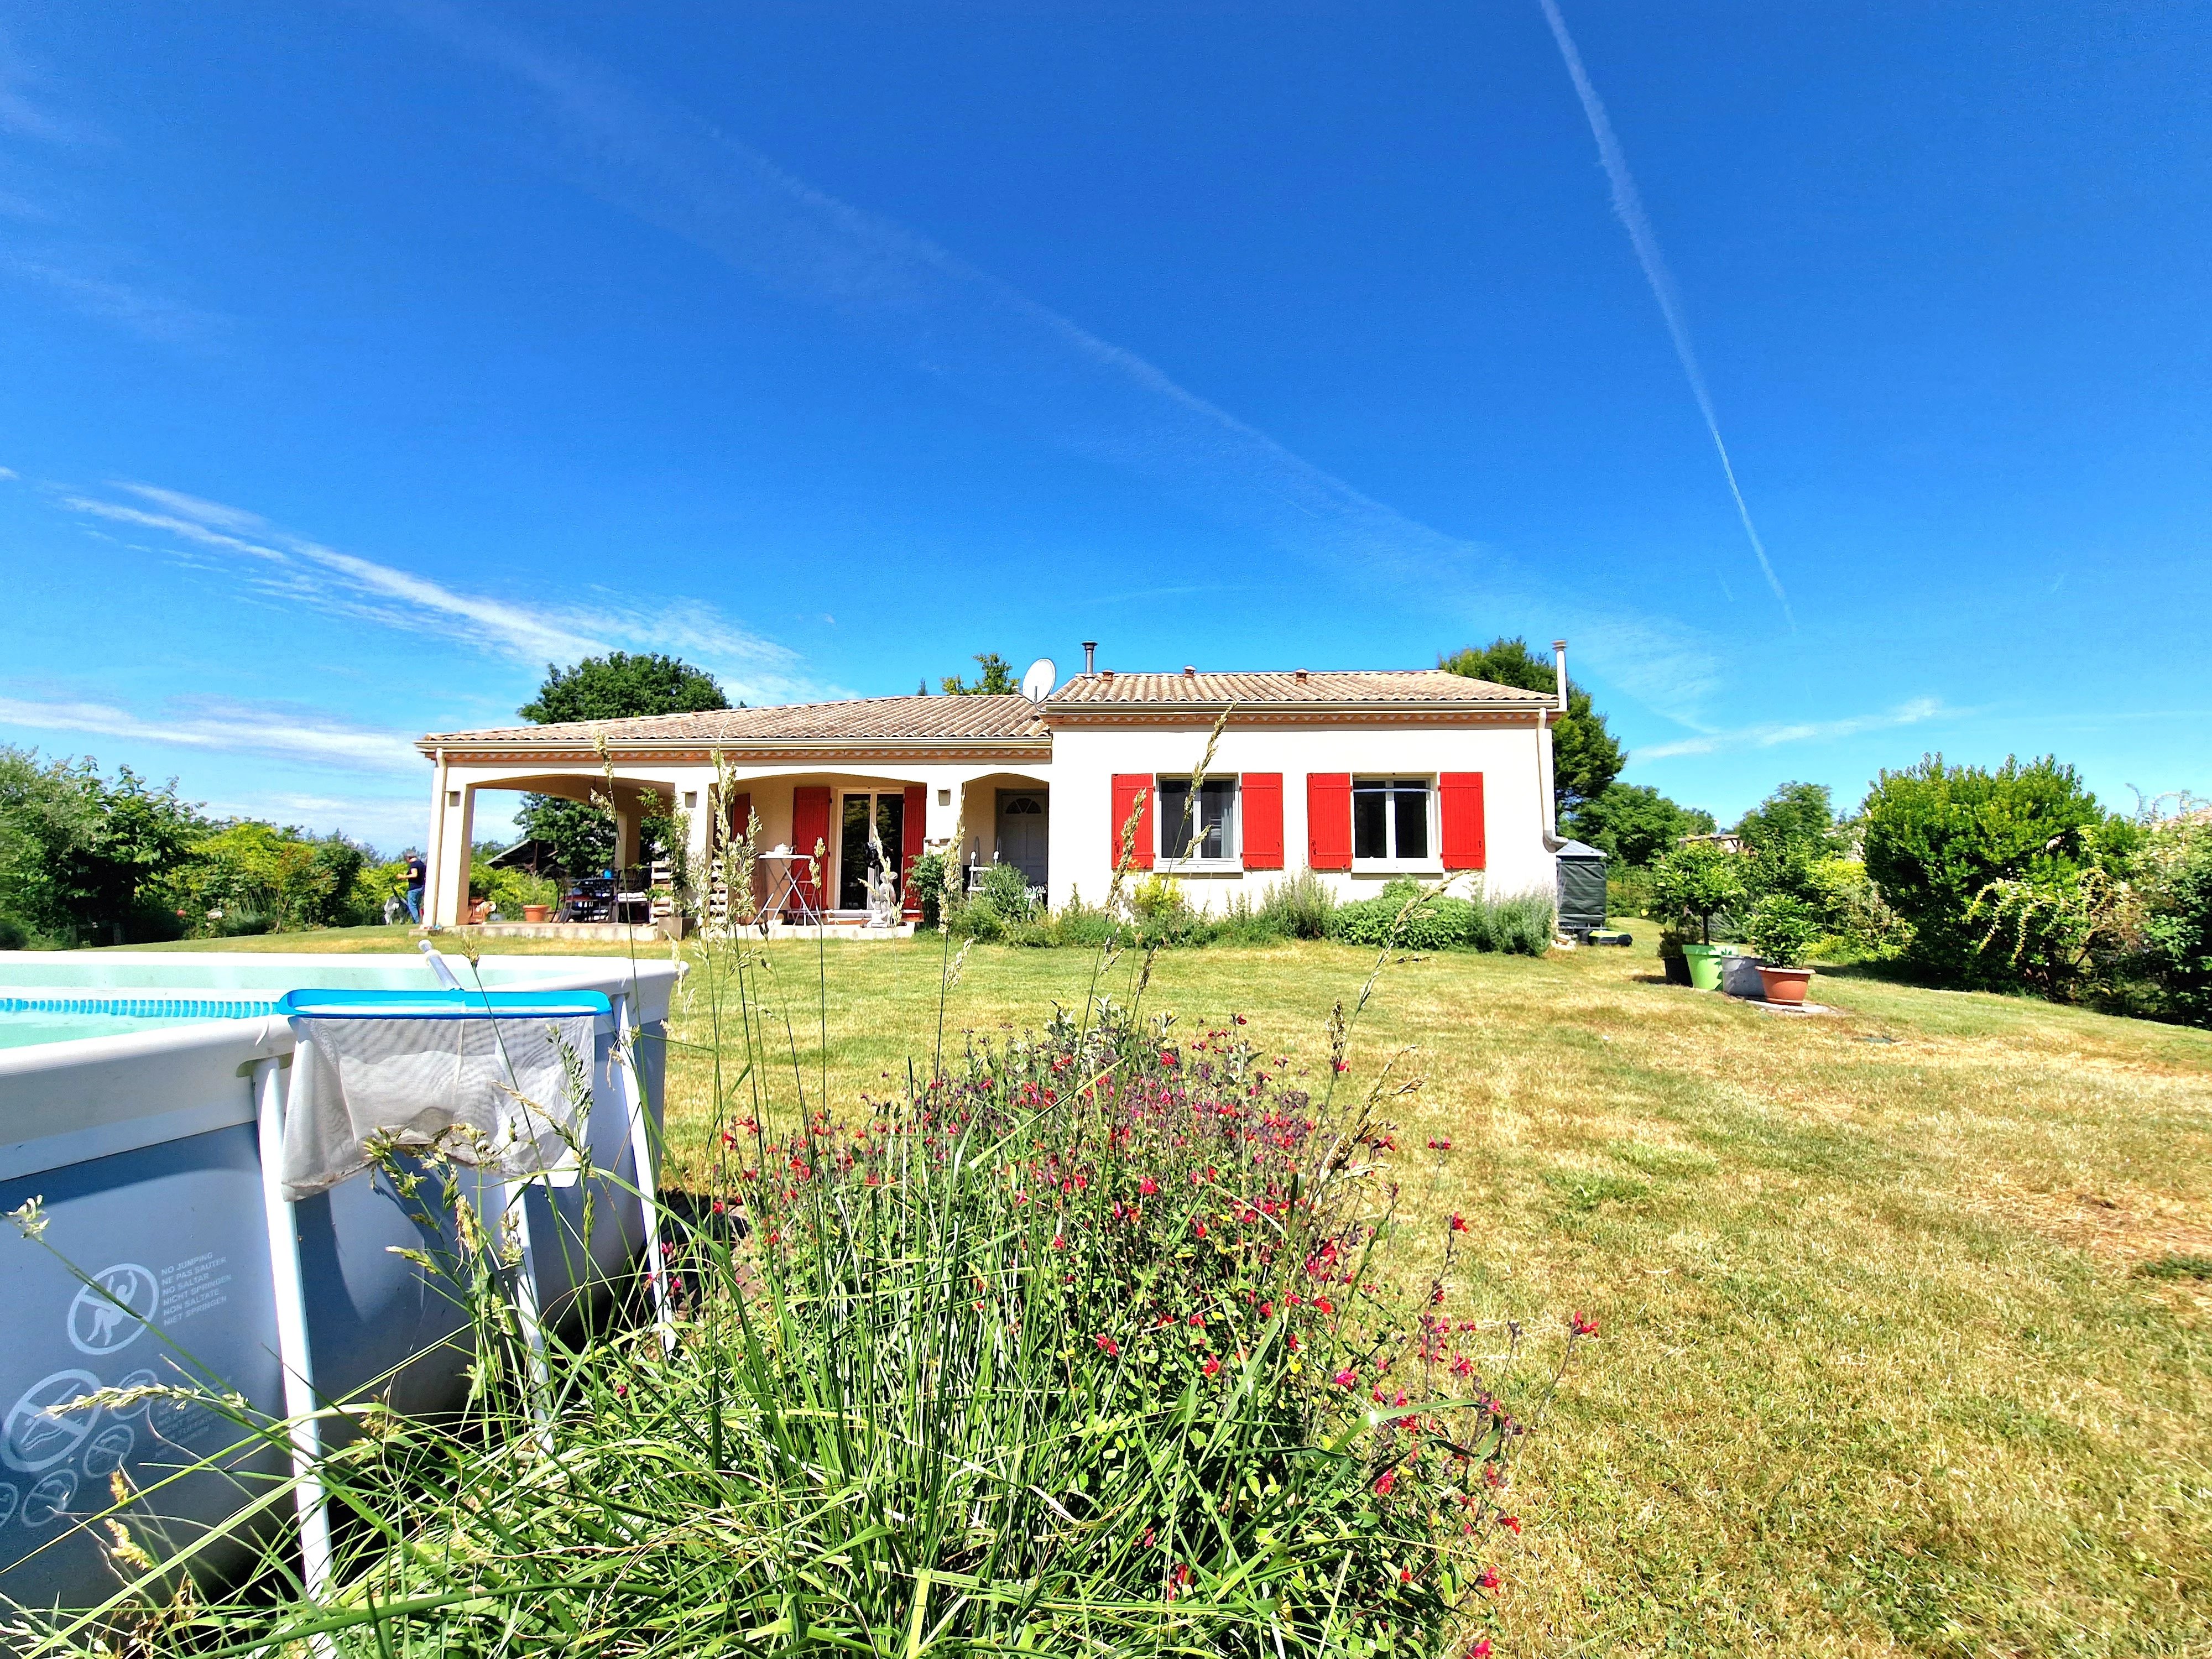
(1904, 1346)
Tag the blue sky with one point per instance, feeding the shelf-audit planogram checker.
(359, 361)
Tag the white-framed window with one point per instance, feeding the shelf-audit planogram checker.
(1197, 830)
(1393, 821)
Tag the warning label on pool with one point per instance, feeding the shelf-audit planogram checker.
(196, 1285)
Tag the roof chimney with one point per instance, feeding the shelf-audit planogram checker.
(1559, 666)
(1090, 658)
(1188, 672)
(1301, 677)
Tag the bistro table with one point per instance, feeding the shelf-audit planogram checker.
(796, 899)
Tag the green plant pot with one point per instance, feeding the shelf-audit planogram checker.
(1705, 961)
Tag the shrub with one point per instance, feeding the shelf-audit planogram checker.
(14, 935)
(1940, 838)
(1005, 890)
(1299, 906)
(1518, 924)
(1404, 916)
(1781, 929)
(2177, 928)
(928, 879)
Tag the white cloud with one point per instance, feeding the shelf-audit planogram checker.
(301, 570)
(230, 728)
(1770, 735)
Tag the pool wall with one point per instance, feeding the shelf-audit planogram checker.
(143, 1151)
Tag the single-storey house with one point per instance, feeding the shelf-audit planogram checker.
(1360, 777)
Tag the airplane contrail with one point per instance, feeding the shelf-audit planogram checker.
(1628, 206)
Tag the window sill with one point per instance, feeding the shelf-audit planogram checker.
(1198, 866)
(1396, 867)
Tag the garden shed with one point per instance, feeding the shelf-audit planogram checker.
(1581, 888)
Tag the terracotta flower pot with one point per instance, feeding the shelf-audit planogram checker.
(536, 912)
(1785, 984)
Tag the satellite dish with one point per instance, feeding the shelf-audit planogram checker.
(1037, 684)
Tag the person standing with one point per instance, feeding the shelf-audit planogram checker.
(418, 875)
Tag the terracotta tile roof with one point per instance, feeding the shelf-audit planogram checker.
(891, 719)
(1385, 686)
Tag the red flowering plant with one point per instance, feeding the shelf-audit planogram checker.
(1121, 1284)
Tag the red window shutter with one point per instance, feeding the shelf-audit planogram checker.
(810, 823)
(911, 823)
(1460, 795)
(740, 813)
(1262, 795)
(1329, 820)
(1128, 788)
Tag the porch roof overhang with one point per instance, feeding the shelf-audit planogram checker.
(831, 753)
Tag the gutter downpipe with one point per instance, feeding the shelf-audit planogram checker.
(437, 847)
(1553, 840)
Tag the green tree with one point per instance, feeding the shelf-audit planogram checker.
(996, 677)
(1699, 882)
(1634, 823)
(623, 686)
(1585, 755)
(84, 857)
(1939, 838)
(618, 686)
(1801, 814)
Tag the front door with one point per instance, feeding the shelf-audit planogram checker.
(1023, 820)
(854, 856)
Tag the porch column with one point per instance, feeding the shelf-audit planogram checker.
(449, 877)
(697, 806)
(626, 820)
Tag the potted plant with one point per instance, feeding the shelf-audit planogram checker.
(1671, 959)
(1699, 881)
(1783, 931)
(537, 912)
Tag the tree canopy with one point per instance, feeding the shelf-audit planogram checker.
(623, 686)
(995, 677)
(1634, 824)
(619, 686)
(1585, 755)
(1795, 814)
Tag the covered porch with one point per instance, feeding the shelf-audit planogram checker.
(810, 825)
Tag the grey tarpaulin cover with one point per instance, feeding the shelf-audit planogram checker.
(522, 1085)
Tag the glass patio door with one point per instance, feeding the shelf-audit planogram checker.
(854, 856)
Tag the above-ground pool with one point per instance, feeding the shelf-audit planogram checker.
(128, 1106)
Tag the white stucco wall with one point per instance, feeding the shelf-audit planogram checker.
(1514, 761)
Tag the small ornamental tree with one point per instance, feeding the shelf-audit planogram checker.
(1698, 881)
